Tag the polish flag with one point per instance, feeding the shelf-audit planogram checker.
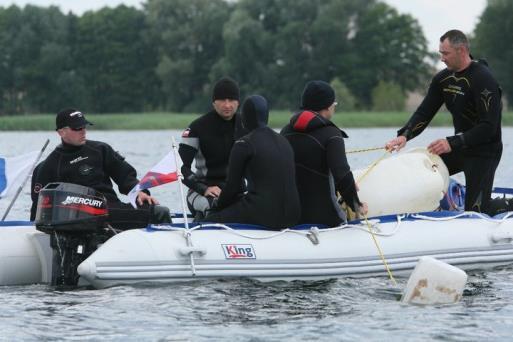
(164, 172)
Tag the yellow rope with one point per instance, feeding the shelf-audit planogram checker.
(380, 252)
(372, 166)
(365, 150)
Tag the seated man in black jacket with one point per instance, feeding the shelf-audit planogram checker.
(207, 142)
(322, 170)
(94, 164)
(266, 161)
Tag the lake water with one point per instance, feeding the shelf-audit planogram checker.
(245, 310)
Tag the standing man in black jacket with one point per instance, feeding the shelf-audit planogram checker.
(473, 97)
(208, 141)
(322, 170)
(94, 164)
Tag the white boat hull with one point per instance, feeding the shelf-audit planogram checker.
(163, 255)
(25, 255)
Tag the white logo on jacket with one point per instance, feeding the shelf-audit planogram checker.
(76, 160)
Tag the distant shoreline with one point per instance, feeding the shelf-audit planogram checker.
(158, 121)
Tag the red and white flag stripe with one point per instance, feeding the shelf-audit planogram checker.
(164, 172)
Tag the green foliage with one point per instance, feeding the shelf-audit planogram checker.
(493, 41)
(115, 60)
(33, 57)
(167, 55)
(293, 42)
(389, 47)
(277, 119)
(346, 100)
(189, 36)
(387, 96)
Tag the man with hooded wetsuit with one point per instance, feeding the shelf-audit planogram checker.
(265, 160)
(473, 97)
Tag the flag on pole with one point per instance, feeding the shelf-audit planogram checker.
(164, 172)
(13, 171)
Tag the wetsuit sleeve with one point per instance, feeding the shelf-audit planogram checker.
(41, 176)
(342, 175)
(239, 156)
(425, 112)
(487, 97)
(34, 192)
(187, 150)
(121, 172)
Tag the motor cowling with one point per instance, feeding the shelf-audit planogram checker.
(70, 208)
(75, 217)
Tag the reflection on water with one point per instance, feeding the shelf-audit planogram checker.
(241, 309)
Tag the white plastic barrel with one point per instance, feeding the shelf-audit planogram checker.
(405, 182)
(434, 282)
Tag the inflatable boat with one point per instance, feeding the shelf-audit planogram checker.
(72, 245)
(169, 254)
(164, 254)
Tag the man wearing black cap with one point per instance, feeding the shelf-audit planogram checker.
(94, 164)
(321, 165)
(208, 141)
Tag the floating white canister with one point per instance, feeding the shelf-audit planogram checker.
(405, 182)
(434, 282)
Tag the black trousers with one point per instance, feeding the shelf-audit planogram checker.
(479, 174)
(123, 216)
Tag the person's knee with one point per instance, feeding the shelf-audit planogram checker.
(199, 205)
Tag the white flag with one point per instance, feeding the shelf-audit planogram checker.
(13, 171)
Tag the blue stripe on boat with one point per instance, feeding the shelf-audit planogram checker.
(8, 224)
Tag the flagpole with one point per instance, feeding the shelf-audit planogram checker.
(180, 185)
(184, 210)
(25, 180)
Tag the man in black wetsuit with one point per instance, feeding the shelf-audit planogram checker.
(473, 96)
(208, 141)
(266, 161)
(94, 164)
(321, 165)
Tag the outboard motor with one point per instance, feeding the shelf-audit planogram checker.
(75, 218)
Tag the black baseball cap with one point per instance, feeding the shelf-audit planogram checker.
(71, 118)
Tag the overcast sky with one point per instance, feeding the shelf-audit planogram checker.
(435, 16)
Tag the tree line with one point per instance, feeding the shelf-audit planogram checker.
(167, 55)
